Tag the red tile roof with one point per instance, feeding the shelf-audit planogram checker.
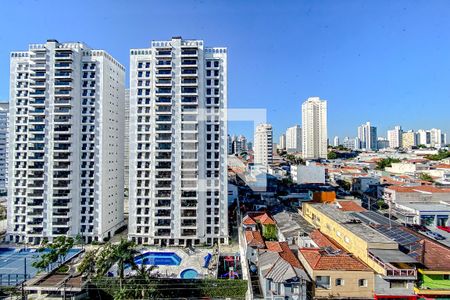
(350, 206)
(442, 166)
(282, 248)
(258, 217)
(254, 239)
(322, 240)
(320, 260)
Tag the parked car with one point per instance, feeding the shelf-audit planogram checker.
(445, 228)
(434, 235)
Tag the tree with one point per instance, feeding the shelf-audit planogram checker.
(386, 162)
(55, 252)
(442, 154)
(332, 155)
(425, 177)
(269, 232)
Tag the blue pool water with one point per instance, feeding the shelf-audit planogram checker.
(158, 259)
(189, 274)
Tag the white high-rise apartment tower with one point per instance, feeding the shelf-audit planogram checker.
(4, 112)
(336, 141)
(282, 142)
(314, 128)
(368, 138)
(263, 145)
(178, 144)
(66, 143)
(294, 139)
(395, 137)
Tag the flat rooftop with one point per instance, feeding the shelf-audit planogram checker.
(352, 223)
(428, 207)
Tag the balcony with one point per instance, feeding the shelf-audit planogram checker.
(163, 91)
(60, 74)
(164, 53)
(162, 213)
(63, 65)
(163, 223)
(391, 270)
(189, 62)
(189, 52)
(63, 56)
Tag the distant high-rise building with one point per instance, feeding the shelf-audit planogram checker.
(250, 146)
(229, 144)
(282, 142)
(4, 112)
(263, 148)
(424, 137)
(314, 128)
(382, 143)
(394, 137)
(178, 144)
(66, 143)
(294, 139)
(409, 139)
(367, 135)
(436, 138)
(239, 144)
(336, 141)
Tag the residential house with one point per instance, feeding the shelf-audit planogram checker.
(281, 275)
(335, 273)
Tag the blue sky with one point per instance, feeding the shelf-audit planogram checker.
(383, 61)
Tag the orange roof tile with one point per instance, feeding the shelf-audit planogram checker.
(257, 217)
(442, 166)
(282, 248)
(322, 240)
(254, 239)
(418, 189)
(321, 260)
(350, 206)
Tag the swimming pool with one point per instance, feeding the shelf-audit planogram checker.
(158, 259)
(189, 274)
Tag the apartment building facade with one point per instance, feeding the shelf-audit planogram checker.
(66, 143)
(314, 128)
(4, 124)
(263, 149)
(178, 144)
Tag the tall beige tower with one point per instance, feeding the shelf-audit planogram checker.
(314, 128)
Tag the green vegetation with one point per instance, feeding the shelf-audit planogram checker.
(172, 288)
(269, 232)
(56, 254)
(381, 204)
(63, 269)
(332, 155)
(425, 177)
(442, 154)
(386, 162)
(294, 159)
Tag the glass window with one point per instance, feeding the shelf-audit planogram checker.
(362, 282)
(323, 282)
(339, 281)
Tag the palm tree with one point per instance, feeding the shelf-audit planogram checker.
(143, 279)
(124, 253)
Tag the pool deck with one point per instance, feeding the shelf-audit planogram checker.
(189, 260)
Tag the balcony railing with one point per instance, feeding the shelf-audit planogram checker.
(392, 271)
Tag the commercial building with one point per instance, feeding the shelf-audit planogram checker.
(367, 135)
(394, 137)
(294, 139)
(314, 128)
(178, 144)
(263, 148)
(4, 122)
(66, 143)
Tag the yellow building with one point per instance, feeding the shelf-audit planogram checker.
(409, 139)
(395, 270)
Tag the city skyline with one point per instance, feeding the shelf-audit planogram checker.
(387, 64)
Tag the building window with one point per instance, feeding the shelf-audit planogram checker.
(339, 281)
(323, 282)
(362, 282)
(397, 284)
